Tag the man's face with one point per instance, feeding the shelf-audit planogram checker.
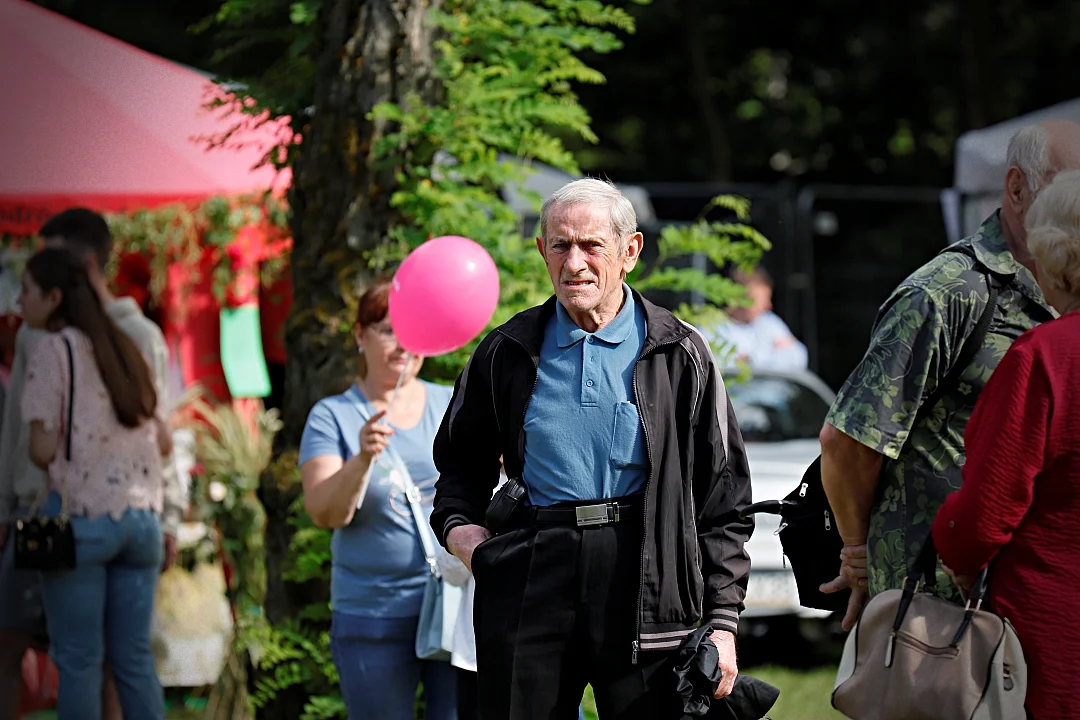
(585, 260)
(1014, 211)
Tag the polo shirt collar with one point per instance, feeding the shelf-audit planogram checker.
(613, 333)
(992, 250)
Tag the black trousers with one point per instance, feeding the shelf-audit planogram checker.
(556, 609)
(467, 695)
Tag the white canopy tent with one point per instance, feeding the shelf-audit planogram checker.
(980, 168)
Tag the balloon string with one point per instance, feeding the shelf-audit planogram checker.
(389, 407)
(400, 379)
(378, 459)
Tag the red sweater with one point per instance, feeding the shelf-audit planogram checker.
(1019, 506)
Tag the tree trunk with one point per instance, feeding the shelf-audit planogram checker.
(372, 51)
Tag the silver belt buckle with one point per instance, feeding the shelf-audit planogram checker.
(592, 515)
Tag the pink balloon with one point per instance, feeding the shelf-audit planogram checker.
(443, 295)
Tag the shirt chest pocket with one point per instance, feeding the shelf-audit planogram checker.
(627, 438)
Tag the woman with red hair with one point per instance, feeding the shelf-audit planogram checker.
(356, 449)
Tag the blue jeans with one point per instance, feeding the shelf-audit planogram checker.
(376, 661)
(102, 609)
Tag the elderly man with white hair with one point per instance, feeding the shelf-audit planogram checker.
(618, 532)
(893, 443)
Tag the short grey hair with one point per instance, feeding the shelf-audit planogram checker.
(1053, 232)
(1029, 151)
(593, 191)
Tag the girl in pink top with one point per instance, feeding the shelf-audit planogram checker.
(111, 486)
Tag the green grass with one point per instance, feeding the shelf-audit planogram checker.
(804, 694)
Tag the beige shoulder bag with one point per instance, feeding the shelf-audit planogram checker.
(915, 656)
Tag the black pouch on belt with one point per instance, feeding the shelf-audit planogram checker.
(505, 505)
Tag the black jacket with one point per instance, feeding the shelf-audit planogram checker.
(698, 476)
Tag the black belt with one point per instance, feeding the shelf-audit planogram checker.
(587, 514)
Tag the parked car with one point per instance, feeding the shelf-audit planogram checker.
(780, 415)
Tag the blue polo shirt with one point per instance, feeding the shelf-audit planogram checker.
(583, 433)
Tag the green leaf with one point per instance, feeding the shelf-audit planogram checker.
(304, 13)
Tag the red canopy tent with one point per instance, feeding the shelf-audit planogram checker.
(88, 120)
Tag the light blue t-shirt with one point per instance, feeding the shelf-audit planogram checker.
(766, 343)
(583, 433)
(379, 568)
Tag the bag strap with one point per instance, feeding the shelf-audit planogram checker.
(70, 426)
(71, 397)
(412, 492)
(972, 343)
(423, 529)
(40, 500)
(924, 571)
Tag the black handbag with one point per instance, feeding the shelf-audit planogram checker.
(811, 542)
(48, 544)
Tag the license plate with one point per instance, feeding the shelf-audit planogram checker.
(772, 589)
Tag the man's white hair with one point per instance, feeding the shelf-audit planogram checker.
(1029, 150)
(1053, 232)
(593, 191)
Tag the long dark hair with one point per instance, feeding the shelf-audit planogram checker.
(122, 366)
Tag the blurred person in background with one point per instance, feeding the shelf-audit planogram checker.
(22, 616)
(379, 567)
(86, 234)
(756, 334)
(22, 623)
(1018, 509)
(95, 428)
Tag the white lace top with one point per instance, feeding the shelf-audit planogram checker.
(113, 468)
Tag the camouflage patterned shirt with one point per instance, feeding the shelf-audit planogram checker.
(916, 339)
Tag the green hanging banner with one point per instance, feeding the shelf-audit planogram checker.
(242, 352)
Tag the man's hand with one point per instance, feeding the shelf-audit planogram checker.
(463, 539)
(729, 667)
(852, 570)
(852, 575)
(171, 551)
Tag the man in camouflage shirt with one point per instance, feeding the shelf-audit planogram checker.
(885, 479)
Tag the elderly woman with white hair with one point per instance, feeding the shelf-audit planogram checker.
(1019, 505)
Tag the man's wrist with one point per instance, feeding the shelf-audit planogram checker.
(454, 521)
(725, 619)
